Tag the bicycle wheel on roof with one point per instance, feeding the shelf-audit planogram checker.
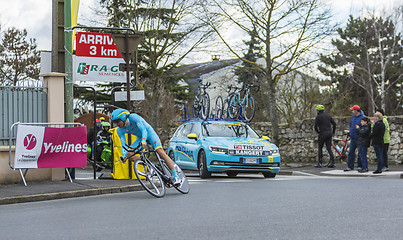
(248, 109)
(205, 106)
(233, 106)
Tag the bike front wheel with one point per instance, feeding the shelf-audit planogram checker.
(248, 109)
(205, 106)
(219, 106)
(149, 178)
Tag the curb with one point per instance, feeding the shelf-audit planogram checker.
(69, 194)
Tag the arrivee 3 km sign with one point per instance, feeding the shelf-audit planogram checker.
(97, 58)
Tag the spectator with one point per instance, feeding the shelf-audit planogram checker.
(358, 114)
(386, 140)
(363, 131)
(378, 131)
(92, 133)
(323, 122)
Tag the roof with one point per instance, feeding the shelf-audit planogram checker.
(193, 72)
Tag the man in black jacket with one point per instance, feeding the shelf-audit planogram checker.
(323, 122)
(378, 130)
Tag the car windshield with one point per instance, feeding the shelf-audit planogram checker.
(220, 129)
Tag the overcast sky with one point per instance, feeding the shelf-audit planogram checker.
(36, 15)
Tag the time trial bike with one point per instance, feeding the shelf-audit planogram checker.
(154, 177)
(242, 105)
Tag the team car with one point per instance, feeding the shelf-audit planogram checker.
(218, 146)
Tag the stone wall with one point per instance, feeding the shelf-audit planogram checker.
(298, 141)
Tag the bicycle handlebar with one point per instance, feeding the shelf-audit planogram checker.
(137, 150)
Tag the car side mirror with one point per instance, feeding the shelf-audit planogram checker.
(266, 138)
(192, 136)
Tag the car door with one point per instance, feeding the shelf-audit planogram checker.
(192, 145)
(183, 156)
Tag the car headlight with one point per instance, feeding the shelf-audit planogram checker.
(274, 151)
(218, 149)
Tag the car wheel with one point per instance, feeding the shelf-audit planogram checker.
(172, 156)
(269, 175)
(204, 173)
(232, 174)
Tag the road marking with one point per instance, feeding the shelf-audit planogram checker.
(233, 181)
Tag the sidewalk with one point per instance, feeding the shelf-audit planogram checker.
(86, 185)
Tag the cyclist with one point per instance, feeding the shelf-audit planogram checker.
(136, 125)
(323, 122)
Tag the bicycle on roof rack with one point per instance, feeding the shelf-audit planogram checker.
(154, 177)
(239, 103)
(201, 102)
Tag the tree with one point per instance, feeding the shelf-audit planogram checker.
(297, 97)
(19, 59)
(367, 64)
(170, 33)
(288, 31)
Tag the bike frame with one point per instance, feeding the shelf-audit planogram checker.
(161, 162)
(346, 145)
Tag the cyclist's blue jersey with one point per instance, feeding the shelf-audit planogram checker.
(141, 129)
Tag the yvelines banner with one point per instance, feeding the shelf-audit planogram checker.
(47, 147)
(97, 58)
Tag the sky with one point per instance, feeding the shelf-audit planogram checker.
(36, 15)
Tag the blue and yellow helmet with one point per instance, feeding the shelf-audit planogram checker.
(119, 114)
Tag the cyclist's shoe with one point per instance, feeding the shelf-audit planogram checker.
(331, 166)
(176, 181)
(318, 165)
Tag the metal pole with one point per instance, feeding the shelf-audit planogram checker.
(127, 59)
(95, 119)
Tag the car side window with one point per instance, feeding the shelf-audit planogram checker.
(178, 131)
(185, 130)
(196, 129)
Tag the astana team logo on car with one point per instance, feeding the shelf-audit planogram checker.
(29, 141)
(84, 68)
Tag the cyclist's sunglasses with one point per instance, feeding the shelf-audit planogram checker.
(116, 121)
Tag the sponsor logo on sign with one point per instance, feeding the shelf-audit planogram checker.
(84, 69)
(29, 141)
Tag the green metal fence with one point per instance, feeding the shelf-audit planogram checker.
(25, 104)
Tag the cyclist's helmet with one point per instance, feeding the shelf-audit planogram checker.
(102, 119)
(320, 107)
(119, 114)
(105, 126)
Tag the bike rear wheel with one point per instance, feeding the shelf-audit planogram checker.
(149, 178)
(233, 106)
(248, 110)
(196, 107)
(219, 104)
(184, 186)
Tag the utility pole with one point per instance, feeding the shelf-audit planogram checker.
(62, 50)
(68, 56)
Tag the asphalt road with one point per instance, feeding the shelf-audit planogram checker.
(246, 207)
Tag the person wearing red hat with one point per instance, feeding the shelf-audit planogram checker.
(355, 121)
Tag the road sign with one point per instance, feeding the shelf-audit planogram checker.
(134, 95)
(97, 58)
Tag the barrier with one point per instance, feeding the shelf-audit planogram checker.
(38, 143)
